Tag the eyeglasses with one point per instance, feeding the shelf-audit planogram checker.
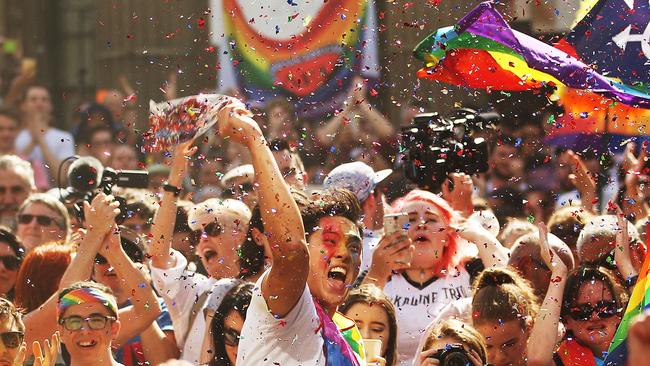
(604, 309)
(12, 339)
(231, 337)
(40, 219)
(94, 322)
(12, 189)
(10, 262)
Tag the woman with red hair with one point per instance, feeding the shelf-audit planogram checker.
(440, 269)
(40, 273)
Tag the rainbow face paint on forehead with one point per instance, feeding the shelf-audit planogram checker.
(85, 295)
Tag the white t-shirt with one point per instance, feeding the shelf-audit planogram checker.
(60, 143)
(294, 340)
(417, 307)
(180, 289)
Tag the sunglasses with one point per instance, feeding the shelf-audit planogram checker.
(212, 229)
(40, 219)
(231, 337)
(10, 262)
(12, 340)
(604, 309)
(94, 322)
(12, 189)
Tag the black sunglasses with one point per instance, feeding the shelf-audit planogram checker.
(12, 339)
(231, 337)
(10, 262)
(604, 309)
(40, 219)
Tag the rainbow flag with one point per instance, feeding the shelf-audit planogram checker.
(305, 52)
(482, 51)
(639, 302)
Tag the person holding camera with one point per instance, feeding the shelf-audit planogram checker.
(453, 343)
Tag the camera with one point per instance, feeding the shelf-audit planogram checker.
(436, 146)
(87, 177)
(452, 355)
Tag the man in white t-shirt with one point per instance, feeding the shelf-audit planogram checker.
(44, 146)
(362, 180)
(292, 315)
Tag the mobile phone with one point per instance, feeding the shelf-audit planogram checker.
(395, 222)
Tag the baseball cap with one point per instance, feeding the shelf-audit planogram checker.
(228, 212)
(358, 177)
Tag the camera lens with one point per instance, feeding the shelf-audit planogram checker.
(456, 358)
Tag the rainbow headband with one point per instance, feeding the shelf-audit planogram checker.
(85, 295)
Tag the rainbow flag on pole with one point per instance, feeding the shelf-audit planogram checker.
(639, 302)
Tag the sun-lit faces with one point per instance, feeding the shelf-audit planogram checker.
(372, 321)
(506, 342)
(86, 345)
(428, 233)
(334, 259)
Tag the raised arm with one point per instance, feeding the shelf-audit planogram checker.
(285, 283)
(584, 183)
(145, 307)
(542, 341)
(100, 216)
(162, 229)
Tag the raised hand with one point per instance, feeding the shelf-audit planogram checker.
(48, 355)
(460, 198)
(550, 257)
(622, 250)
(582, 179)
(236, 123)
(394, 252)
(638, 340)
(19, 360)
(101, 213)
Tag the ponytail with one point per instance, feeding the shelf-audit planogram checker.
(500, 294)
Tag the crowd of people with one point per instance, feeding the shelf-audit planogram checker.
(266, 243)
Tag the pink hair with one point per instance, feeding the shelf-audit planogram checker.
(454, 252)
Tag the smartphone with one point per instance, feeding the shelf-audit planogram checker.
(395, 222)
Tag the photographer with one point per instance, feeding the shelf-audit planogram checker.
(453, 342)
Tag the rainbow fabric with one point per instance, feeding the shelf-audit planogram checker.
(310, 58)
(85, 295)
(482, 51)
(343, 344)
(639, 302)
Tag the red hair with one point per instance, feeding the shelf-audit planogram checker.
(40, 274)
(454, 252)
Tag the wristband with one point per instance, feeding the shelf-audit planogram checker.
(173, 189)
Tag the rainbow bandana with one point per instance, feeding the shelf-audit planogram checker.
(85, 295)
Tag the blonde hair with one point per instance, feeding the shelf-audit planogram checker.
(501, 294)
(461, 332)
(20, 167)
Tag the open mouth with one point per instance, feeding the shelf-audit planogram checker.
(336, 277)
(420, 239)
(87, 344)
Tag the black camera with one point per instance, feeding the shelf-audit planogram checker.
(436, 146)
(452, 355)
(87, 177)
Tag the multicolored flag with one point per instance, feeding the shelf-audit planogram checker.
(482, 51)
(303, 51)
(639, 302)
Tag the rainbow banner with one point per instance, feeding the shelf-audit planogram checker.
(613, 36)
(639, 302)
(482, 51)
(306, 52)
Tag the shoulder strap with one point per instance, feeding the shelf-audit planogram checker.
(196, 309)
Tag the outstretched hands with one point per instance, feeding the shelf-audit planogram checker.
(583, 180)
(45, 356)
(236, 123)
(550, 257)
(100, 214)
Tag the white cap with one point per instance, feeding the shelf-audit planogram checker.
(358, 177)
